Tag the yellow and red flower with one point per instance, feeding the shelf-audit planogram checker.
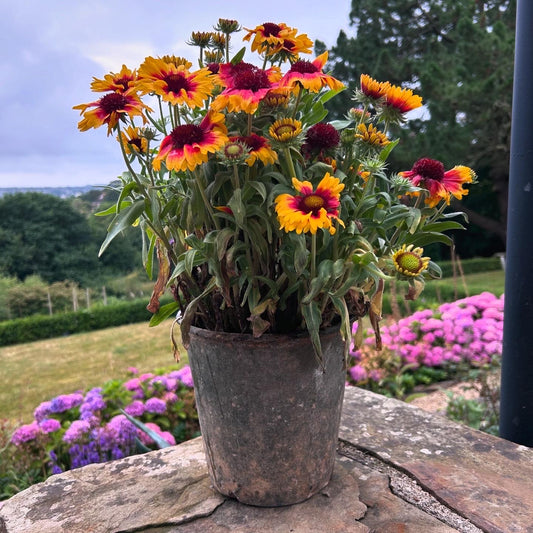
(175, 83)
(260, 149)
(310, 209)
(371, 136)
(273, 38)
(429, 174)
(111, 108)
(189, 145)
(246, 85)
(409, 261)
(286, 131)
(401, 100)
(373, 89)
(309, 74)
(119, 82)
(133, 141)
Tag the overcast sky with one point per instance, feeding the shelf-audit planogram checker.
(52, 49)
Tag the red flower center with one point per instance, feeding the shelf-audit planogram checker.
(248, 77)
(304, 67)
(269, 28)
(125, 82)
(113, 102)
(312, 203)
(137, 142)
(429, 169)
(254, 142)
(186, 134)
(177, 82)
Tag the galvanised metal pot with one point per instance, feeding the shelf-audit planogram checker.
(269, 412)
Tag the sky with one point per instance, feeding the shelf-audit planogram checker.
(53, 48)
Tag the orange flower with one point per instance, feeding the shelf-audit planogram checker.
(310, 209)
(110, 109)
(246, 85)
(402, 100)
(189, 145)
(174, 83)
(373, 89)
(119, 83)
(441, 185)
(309, 74)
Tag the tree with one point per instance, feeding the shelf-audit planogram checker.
(457, 54)
(43, 235)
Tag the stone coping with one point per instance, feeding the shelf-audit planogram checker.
(398, 469)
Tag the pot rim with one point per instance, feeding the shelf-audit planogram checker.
(265, 338)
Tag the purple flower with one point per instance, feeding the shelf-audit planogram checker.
(155, 405)
(26, 433)
(42, 411)
(49, 425)
(184, 375)
(358, 373)
(77, 431)
(135, 408)
(64, 402)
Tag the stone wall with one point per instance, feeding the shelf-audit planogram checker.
(399, 469)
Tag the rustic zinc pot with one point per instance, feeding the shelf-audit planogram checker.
(269, 412)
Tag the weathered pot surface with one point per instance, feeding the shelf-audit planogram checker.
(269, 412)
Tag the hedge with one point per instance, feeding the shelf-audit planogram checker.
(39, 327)
(471, 266)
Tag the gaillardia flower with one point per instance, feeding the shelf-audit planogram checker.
(109, 109)
(119, 82)
(286, 131)
(189, 145)
(260, 149)
(273, 38)
(309, 74)
(320, 141)
(409, 261)
(246, 85)
(401, 100)
(310, 209)
(373, 89)
(371, 136)
(174, 83)
(133, 141)
(441, 185)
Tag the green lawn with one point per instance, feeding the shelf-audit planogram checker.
(34, 372)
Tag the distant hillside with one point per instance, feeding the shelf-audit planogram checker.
(62, 192)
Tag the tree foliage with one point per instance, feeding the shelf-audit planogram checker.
(47, 236)
(457, 54)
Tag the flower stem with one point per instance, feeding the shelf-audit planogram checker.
(313, 255)
(206, 201)
(290, 164)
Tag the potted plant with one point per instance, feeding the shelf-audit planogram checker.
(274, 230)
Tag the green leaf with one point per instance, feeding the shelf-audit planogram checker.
(425, 238)
(313, 319)
(112, 210)
(160, 441)
(237, 58)
(163, 313)
(122, 220)
(384, 154)
(443, 226)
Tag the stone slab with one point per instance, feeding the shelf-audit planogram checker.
(484, 478)
(168, 486)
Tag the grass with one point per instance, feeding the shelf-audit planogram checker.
(38, 371)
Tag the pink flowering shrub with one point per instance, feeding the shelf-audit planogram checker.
(428, 343)
(77, 429)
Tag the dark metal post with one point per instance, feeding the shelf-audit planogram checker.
(516, 411)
